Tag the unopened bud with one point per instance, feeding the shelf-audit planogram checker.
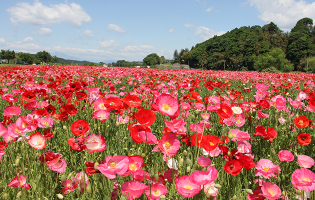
(162, 197)
(64, 128)
(19, 194)
(230, 135)
(5, 196)
(185, 153)
(217, 186)
(188, 169)
(89, 189)
(156, 176)
(143, 155)
(181, 162)
(284, 193)
(95, 165)
(59, 196)
(17, 161)
(63, 178)
(234, 197)
(117, 124)
(248, 191)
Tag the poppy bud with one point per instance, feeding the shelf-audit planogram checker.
(284, 193)
(63, 178)
(125, 138)
(117, 124)
(17, 161)
(185, 153)
(95, 165)
(156, 176)
(217, 186)
(59, 196)
(234, 197)
(64, 128)
(230, 135)
(143, 155)
(89, 189)
(181, 162)
(19, 194)
(162, 197)
(248, 191)
(5, 196)
(188, 169)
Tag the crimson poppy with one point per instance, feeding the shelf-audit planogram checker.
(246, 162)
(80, 127)
(76, 144)
(233, 167)
(134, 133)
(112, 102)
(28, 96)
(225, 111)
(301, 121)
(304, 139)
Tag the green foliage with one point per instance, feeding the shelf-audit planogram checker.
(26, 57)
(7, 54)
(311, 65)
(151, 59)
(43, 56)
(275, 58)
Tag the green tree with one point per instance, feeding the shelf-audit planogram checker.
(54, 59)
(151, 59)
(43, 56)
(163, 60)
(176, 56)
(26, 57)
(273, 59)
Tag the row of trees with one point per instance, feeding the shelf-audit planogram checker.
(254, 48)
(27, 58)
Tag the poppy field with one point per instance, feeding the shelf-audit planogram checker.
(72, 132)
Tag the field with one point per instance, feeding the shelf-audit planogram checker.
(71, 132)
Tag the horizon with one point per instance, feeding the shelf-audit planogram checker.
(112, 30)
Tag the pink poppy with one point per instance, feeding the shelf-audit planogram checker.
(60, 166)
(185, 106)
(114, 165)
(167, 105)
(1, 154)
(140, 175)
(239, 121)
(305, 161)
(266, 168)
(261, 86)
(303, 179)
(271, 191)
(204, 177)
(176, 126)
(199, 107)
(229, 121)
(99, 104)
(155, 190)
(11, 111)
(242, 136)
(282, 120)
(135, 163)
(214, 100)
(133, 189)
(205, 116)
(204, 161)
(19, 181)
(37, 141)
(95, 143)
(197, 128)
(210, 189)
(81, 180)
(69, 185)
(123, 120)
(27, 123)
(262, 115)
(101, 115)
(285, 155)
(186, 187)
(260, 95)
(205, 124)
(244, 147)
(3, 130)
(171, 174)
(234, 132)
(45, 122)
(296, 104)
(169, 144)
(148, 137)
(9, 98)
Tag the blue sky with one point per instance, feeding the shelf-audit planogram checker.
(106, 30)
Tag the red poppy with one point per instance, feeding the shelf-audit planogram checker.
(50, 157)
(3, 145)
(80, 127)
(145, 117)
(301, 121)
(134, 133)
(271, 133)
(48, 134)
(51, 110)
(233, 167)
(75, 86)
(28, 96)
(264, 104)
(63, 116)
(112, 102)
(246, 162)
(208, 142)
(81, 95)
(312, 101)
(90, 169)
(76, 144)
(304, 139)
(225, 111)
(132, 101)
(70, 109)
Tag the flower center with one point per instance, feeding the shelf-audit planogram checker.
(306, 179)
(301, 122)
(167, 144)
(166, 107)
(156, 192)
(133, 167)
(266, 169)
(80, 128)
(211, 143)
(188, 187)
(113, 164)
(224, 110)
(39, 142)
(272, 193)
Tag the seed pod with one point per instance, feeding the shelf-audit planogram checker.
(17, 161)
(5, 196)
(19, 194)
(59, 196)
(188, 169)
(234, 197)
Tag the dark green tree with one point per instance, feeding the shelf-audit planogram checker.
(26, 57)
(151, 59)
(43, 56)
(9, 55)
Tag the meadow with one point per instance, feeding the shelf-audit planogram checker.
(73, 132)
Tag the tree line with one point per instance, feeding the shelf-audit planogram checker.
(257, 48)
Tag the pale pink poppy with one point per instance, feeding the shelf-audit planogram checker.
(196, 128)
(45, 122)
(95, 143)
(260, 95)
(204, 177)
(205, 124)
(11, 111)
(214, 100)
(214, 108)
(132, 189)
(167, 104)
(210, 189)
(261, 86)
(169, 144)
(205, 116)
(123, 120)
(296, 104)
(301, 96)
(101, 115)
(99, 104)
(242, 136)
(3, 130)
(42, 104)
(239, 121)
(303, 179)
(140, 175)
(199, 107)
(285, 155)
(27, 123)
(234, 134)
(229, 121)
(155, 190)
(305, 161)
(262, 115)
(93, 94)
(186, 187)
(19, 181)
(244, 147)
(114, 165)
(81, 180)
(310, 108)
(60, 166)
(282, 120)
(271, 191)
(204, 161)
(266, 168)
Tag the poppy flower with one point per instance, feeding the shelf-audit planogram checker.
(28, 96)
(80, 127)
(76, 144)
(37, 141)
(112, 102)
(303, 179)
(19, 181)
(133, 189)
(233, 167)
(95, 143)
(224, 111)
(155, 190)
(90, 169)
(145, 117)
(186, 187)
(132, 101)
(135, 133)
(301, 121)
(304, 139)
(167, 105)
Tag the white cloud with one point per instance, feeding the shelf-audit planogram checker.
(109, 43)
(88, 33)
(116, 28)
(28, 47)
(44, 31)
(284, 13)
(203, 32)
(2, 40)
(141, 48)
(28, 39)
(209, 10)
(173, 31)
(41, 15)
